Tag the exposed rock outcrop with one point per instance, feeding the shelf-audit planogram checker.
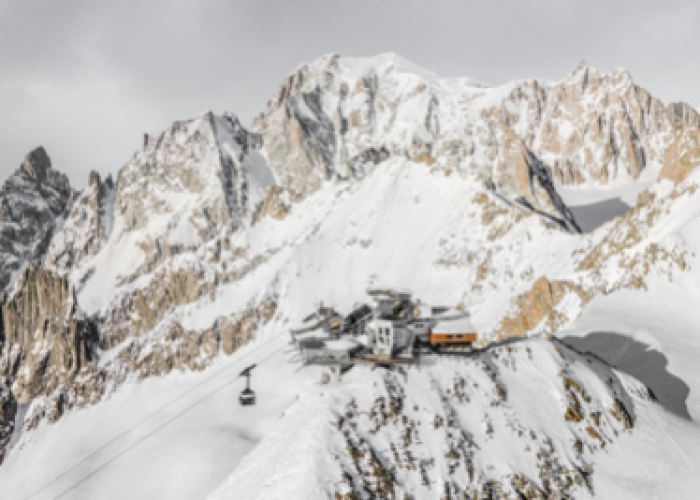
(32, 199)
(8, 412)
(87, 227)
(198, 179)
(590, 127)
(277, 203)
(682, 157)
(540, 303)
(46, 341)
(170, 346)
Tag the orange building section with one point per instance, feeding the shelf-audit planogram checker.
(452, 338)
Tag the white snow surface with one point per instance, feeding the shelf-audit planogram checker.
(174, 437)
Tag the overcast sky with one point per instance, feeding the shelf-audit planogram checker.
(86, 79)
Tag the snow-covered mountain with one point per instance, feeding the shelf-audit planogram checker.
(34, 198)
(141, 300)
(87, 227)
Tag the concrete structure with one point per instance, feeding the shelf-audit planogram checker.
(389, 331)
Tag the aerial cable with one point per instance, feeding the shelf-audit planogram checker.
(153, 413)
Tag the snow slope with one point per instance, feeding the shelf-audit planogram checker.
(404, 225)
(173, 437)
(457, 425)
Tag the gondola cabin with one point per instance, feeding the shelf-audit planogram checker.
(247, 396)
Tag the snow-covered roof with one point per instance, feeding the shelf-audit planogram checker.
(375, 291)
(462, 325)
(424, 310)
(316, 334)
(344, 344)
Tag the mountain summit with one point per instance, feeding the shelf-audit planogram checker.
(32, 200)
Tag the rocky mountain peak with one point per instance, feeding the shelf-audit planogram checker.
(207, 164)
(94, 180)
(622, 76)
(582, 67)
(37, 163)
(87, 226)
(196, 180)
(32, 201)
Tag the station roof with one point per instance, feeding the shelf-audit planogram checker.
(461, 325)
(314, 334)
(312, 344)
(389, 293)
(342, 344)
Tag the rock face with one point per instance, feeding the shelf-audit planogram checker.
(277, 203)
(87, 227)
(683, 156)
(337, 117)
(8, 412)
(538, 304)
(192, 182)
(207, 165)
(593, 127)
(31, 201)
(45, 341)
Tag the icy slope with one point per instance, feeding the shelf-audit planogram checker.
(174, 437)
(623, 262)
(532, 418)
(191, 183)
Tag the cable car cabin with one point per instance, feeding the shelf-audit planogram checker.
(247, 397)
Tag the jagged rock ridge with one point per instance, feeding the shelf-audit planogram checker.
(32, 199)
(87, 227)
(194, 181)
(338, 117)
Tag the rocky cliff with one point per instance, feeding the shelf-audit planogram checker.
(337, 117)
(46, 342)
(592, 127)
(32, 201)
(198, 179)
(8, 413)
(87, 226)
